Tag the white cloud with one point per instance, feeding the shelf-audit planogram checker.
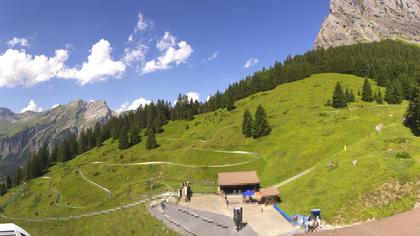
(136, 54)
(18, 41)
(142, 23)
(134, 105)
(172, 55)
(166, 42)
(251, 62)
(98, 67)
(32, 106)
(194, 96)
(54, 106)
(211, 58)
(190, 95)
(20, 68)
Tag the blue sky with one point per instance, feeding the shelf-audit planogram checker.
(176, 47)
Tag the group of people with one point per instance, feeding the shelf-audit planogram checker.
(312, 224)
(184, 192)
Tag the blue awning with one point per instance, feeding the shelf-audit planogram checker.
(248, 193)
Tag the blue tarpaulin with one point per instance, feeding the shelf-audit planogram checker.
(248, 193)
(284, 214)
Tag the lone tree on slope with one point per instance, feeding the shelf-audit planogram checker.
(261, 126)
(339, 98)
(247, 124)
(367, 94)
(123, 138)
(151, 140)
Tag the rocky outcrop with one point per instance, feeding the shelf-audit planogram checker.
(355, 21)
(21, 134)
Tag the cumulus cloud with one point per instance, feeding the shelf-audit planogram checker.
(18, 41)
(32, 106)
(134, 105)
(54, 106)
(20, 68)
(251, 62)
(211, 58)
(98, 67)
(166, 42)
(172, 55)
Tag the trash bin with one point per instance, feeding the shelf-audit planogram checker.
(237, 217)
(315, 213)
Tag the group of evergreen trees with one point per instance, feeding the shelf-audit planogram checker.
(5, 185)
(341, 97)
(257, 127)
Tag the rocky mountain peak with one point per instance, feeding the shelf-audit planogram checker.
(354, 21)
(21, 134)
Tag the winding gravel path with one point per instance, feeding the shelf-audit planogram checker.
(293, 178)
(79, 170)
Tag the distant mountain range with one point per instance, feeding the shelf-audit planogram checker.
(21, 134)
(355, 21)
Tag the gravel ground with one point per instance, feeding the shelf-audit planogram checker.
(407, 223)
(195, 222)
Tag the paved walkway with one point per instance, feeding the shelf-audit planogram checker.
(189, 221)
(264, 220)
(407, 223)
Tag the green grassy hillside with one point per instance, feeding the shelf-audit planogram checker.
(305, 135)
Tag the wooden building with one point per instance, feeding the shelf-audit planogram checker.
(270, 195)
(238, 182)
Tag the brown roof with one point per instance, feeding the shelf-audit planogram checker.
(267, 192)
(238, 178)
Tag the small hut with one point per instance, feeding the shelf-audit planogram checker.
(270, 195)
(238, 182)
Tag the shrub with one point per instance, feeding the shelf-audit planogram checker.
(402, 155)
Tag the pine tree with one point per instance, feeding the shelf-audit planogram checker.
(247, 124)
(83, 142)
(230, 105)
(413, 113)
(19, 176)
(261, 126)
(64, 153)
(151, 140)
(134, 134)
(36, 167)
(9, 183)
(43, 157)
(3, 189)
(339, 98)
(393, 93)
(53, 155)
(123, 138)
(379, 98)
(367, 95)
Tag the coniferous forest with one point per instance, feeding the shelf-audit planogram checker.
(391, 64)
